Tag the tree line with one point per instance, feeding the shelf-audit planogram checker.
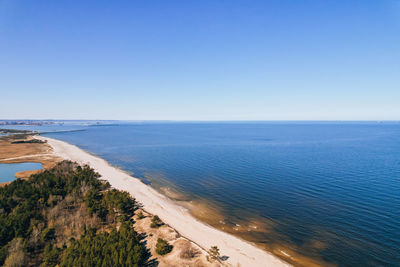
(33, 211)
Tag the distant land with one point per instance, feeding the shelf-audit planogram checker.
(27, 122)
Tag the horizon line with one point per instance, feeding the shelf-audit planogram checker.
(223, 120)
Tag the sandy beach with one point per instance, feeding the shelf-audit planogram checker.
(239, 252)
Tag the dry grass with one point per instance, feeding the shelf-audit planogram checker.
(68, 217)
(16, 256)
(26, 152)
(185, 252)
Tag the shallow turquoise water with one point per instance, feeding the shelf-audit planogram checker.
(7, 171)
(333, 183)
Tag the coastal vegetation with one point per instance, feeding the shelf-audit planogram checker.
(189, 252)
(14, 131)
(117, 248)
(214, 253)
(12, 134)
(140, 215)
(66, 216)
(163, 247)
(156, 222)
(31, 141)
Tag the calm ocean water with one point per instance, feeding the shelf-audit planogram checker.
(328, 190)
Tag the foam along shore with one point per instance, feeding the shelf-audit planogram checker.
(239, 252)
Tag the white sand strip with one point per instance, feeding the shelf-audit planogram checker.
(239, 251)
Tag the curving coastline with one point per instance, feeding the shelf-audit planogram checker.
(239, 252)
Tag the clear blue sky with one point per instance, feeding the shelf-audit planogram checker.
(200, 60)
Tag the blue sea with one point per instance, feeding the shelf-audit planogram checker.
(327, 190)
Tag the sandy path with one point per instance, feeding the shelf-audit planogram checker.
(239, 252)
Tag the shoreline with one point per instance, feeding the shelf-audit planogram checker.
(11, 153)
(238, 251)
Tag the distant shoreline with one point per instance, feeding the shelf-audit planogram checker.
(237, 250)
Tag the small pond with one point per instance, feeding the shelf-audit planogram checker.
(7, 171)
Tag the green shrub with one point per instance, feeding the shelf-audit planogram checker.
(140, 215)
(51, 255)
(163, 247)
(156, 222)
(48, 234)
